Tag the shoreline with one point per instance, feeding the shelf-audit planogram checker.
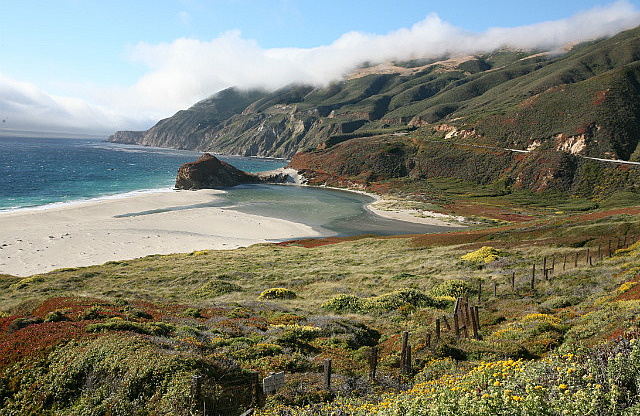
(94, 232)
(406, 215)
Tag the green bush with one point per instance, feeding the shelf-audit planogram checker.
(453, 288)
(214, 288)
(278, 293)
(153, 328)
(344, 303)
(56, 316)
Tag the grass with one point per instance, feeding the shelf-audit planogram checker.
(181, 315)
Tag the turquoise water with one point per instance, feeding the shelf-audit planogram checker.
(41, 172)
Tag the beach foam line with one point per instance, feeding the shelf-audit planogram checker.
(54, 205)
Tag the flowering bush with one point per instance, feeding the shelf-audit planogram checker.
(452, 288)
(278, 293)
(485, 254)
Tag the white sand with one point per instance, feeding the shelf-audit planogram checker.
(419, 216)
(87, 233)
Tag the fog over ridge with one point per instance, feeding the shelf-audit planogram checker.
(187, 70)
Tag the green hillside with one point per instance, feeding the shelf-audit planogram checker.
(506, 98)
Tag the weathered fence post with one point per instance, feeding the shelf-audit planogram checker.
(564, 262)
(373, 363)
(474, 322)
(437, 330)
(456, 325)
(479, 289)
(495, 289)
(196, 387)
(576, 262)
(544, 268)
(588, 259)
(327, 373)
(403, 352)
(513, 281)
(609, 248)
(599, 250)
(533, 276)
(257, 399)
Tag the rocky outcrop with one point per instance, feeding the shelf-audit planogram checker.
(210, 173)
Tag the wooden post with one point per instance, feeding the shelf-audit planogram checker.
(446, 322)
(609, 248)
(327, 373)
(477, 317)
(544, 267)
(590, 263)
(533, 276)
(465, 330)
(456, 325)
(437, 329)
(588, 259)
(258, 398)
(495, 289)
(513, 281)
(456, 306)
(373, 363)
(598, 250)
(564, 262)
(196, 387)
(403, 352)
(467, 317)
(576, 262)
(474, 321)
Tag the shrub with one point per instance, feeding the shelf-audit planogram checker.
(485, 254)
(56, 316)
(214, 288)
(20, 323)
(155, 328)
(344, 303)
(193, 313)
(452, 288)
(278, 293)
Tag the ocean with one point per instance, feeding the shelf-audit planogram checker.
(41, 173)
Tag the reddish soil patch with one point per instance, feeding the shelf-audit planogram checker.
(600, 97)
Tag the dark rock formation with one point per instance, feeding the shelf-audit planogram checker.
(209, 173)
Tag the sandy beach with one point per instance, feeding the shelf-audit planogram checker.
(94, 232)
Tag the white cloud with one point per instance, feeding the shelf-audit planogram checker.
(187, 70)
(25, 109)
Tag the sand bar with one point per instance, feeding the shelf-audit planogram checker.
(94, 232)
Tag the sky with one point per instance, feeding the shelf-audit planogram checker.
(74, 67)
